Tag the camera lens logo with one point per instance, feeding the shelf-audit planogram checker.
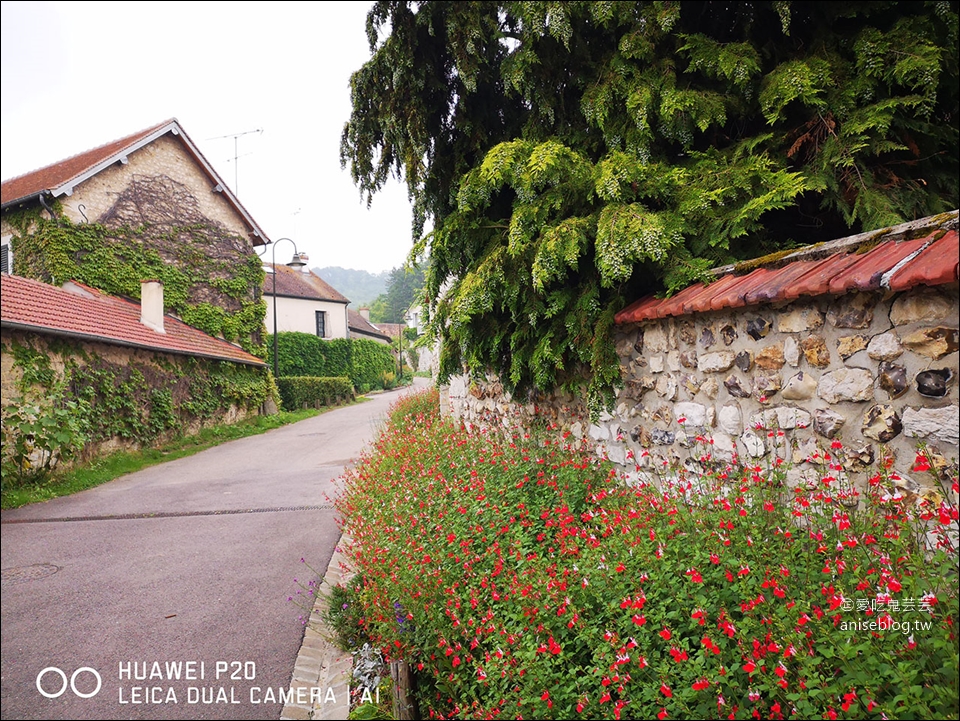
(72, 683)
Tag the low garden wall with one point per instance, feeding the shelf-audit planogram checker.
(874, 371)
(115, 398)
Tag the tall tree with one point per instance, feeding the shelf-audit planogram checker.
(404, 289)
(571, 155)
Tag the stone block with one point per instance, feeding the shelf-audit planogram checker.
(716, 362)
(730, 420)
(923, 306)
(885, 347)
(695, 413)
(799, 320)
(881, 423)
(846, 384)
(933, 342)
(940, 424)
(800, 387)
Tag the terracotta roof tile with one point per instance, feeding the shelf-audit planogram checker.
(894, 263)
(61, 173)
(393, 330)
(933, 266)
(294, 283)
(736, 295)
(816, 281)
(868, 271)
(34, 306)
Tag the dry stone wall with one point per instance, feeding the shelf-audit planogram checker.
(875, 371)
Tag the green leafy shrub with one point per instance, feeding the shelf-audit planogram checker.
(37, 436)
(140, 401)
(522, 578)
(211, 278)
(297, 391)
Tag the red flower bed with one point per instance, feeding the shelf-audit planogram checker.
(523, 579)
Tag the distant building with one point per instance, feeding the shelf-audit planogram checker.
(306, 303)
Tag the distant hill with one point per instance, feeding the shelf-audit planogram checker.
(360, 286)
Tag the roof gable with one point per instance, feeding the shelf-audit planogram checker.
(294, 283)
(91, 315)
(59, 179)
(359, 324)
(923, 252)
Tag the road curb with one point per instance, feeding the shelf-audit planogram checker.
(320, 664)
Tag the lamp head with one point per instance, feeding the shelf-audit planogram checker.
(296, 261)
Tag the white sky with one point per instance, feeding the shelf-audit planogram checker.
(76, 75)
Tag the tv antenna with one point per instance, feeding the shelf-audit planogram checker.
(236, 155)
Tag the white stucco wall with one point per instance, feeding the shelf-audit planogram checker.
(298, 314)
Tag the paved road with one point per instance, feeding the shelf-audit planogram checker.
(188, 563)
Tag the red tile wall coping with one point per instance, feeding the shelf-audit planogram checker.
(894, 264)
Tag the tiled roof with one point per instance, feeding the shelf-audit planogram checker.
(392, 329)
(294, 283)
(94, 316)
(924, 252)
(359, 324)
(60, 178)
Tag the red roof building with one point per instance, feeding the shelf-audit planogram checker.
(361, 326)
(86, 314)
(60, 179)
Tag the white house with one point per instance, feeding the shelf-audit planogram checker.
(305, 303)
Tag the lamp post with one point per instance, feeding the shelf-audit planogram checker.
(295, 262)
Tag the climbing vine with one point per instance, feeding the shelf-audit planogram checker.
(154, 230)
(138, 398)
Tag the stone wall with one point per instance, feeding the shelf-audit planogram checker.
(160, 371)
(871, 370)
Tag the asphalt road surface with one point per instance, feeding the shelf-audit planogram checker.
(183, 569)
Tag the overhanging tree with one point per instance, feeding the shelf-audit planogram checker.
(571, 155)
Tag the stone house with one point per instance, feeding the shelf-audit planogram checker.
(853, 341)
(145, 206)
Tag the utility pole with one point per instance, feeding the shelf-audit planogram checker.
(236, 155)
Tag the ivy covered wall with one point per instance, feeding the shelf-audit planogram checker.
(156, 230)
(126, 398)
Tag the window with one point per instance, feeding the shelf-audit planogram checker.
(321, 324)
(6, 258)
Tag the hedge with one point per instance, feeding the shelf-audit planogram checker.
(363, 361)
(297, 391)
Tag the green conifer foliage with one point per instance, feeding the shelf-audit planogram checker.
(573, 155)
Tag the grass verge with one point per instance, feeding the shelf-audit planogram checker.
(107, 468)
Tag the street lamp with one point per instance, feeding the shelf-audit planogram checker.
(295, 262)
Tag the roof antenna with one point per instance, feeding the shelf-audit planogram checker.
(236, 155)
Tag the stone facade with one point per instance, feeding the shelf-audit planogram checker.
(870, 370)
(160, 209)
(165, 157)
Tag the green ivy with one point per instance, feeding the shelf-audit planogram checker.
(208, 280)
(139, 401)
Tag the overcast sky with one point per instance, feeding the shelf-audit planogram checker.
(77, 75)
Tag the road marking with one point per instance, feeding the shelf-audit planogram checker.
(171, 514)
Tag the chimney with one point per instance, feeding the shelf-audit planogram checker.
(151, 304)
(365, 314)
(306, 263)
